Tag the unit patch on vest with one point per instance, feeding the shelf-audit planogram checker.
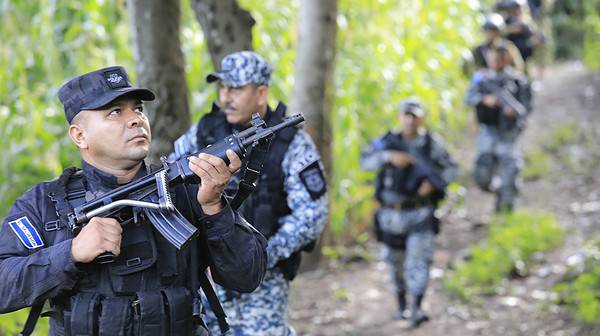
(26, 232)
(313, 179)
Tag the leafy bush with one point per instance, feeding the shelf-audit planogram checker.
(582, 294)
(512, 241)
(575, 29)
(537, 164)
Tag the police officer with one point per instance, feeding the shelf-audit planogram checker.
(499, 124)
(493, 28)
(290, 202)
(414, 169)
(148, 288)
(517, 30)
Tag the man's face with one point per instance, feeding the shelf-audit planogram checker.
(118, 134)
(491, 35)
(410, 124)
(239, 103)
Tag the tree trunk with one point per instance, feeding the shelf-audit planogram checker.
(227, 27)
(159, 65)
(312, 94)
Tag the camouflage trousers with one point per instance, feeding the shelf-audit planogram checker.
(409, 267)
(497, 153)
(263, 312)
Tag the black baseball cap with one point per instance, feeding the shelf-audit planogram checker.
(95, 89)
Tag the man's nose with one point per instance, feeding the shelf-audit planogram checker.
(135, 119)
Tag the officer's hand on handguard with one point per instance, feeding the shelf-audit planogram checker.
(490, 100)
(98, 236)
(510, 112)
(425, 189)
(401, 159)
(214, 175)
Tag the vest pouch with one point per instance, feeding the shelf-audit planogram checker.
(149, 314)
(178, 306)
(115, 317)
(138, 252)
(83, 317)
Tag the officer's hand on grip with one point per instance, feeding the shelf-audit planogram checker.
(425, 189)
(98, 236)
(510, 112)
(214, 175)
(401, 159)
(490, 100)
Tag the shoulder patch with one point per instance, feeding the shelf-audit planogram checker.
(313, 179)
(26, 232)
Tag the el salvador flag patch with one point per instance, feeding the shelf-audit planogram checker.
(26, 232)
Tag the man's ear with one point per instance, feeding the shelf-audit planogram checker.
(77, 134)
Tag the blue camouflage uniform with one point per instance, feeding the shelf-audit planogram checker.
(496, 142)
(147, 289)
(289, 205)
(406, 223)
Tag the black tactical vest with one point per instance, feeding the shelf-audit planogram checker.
(145, 291)
(268, 202)
(394, 185)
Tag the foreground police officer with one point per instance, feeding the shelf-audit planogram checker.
(147, 289)
(290, 203)
(499, 125)
(414, 169)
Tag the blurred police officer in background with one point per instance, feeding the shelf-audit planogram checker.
(501, 97)
(414, 169)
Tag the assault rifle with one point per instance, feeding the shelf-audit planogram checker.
(150, 194)
(505, 97)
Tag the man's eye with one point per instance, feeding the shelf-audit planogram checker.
(139, 109)
(114, 112)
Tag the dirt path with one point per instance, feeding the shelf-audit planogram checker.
(357, 298)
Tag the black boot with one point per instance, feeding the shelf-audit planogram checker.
(417, 316)
(402, 313)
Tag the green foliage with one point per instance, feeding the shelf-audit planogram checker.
(575, 24)
(591, 41)
(565, 134)
(538, 163)
(582, 295)
(45, 42)
(512, 241)
(12, 323)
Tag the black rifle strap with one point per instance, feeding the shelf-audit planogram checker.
(251, 172)
(34, 315)
(60, 192)
(214, 302)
